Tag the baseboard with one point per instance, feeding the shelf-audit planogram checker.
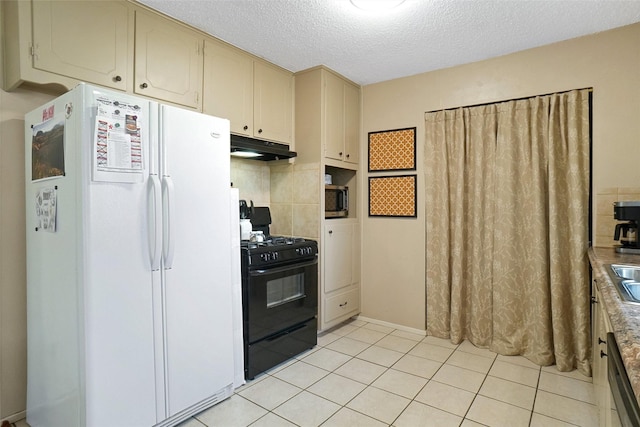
(392, 325)
(15, 417)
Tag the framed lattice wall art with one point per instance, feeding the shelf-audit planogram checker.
(392, 150)
(394, 196)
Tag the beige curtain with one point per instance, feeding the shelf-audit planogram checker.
(507, 202)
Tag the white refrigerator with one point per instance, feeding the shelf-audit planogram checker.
(129, 262)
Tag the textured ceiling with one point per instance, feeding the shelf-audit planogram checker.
(415, 37)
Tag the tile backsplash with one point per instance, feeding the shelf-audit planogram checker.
(291, 190)
(252, 179)
(605, 223)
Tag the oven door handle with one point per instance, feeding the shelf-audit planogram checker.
(283, 268)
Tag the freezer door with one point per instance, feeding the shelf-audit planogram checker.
(119, 321)
(55, 391)
(195, 175)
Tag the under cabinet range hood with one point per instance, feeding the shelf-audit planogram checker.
(242, 146)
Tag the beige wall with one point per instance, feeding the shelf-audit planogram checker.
(609, 62)
(13, 294)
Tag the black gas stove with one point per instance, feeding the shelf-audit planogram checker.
(278, 250)
(279, 296)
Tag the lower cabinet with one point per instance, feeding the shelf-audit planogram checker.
(607, 415)
(341, 305)
(340, 290)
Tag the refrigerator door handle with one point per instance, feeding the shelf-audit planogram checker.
(168, 208)
(154, 196)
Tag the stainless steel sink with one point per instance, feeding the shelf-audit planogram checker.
(627, 272)
(633, 288)
(626, 279)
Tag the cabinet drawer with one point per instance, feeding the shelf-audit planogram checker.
(345, 303)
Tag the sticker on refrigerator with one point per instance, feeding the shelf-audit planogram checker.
(118, 154)
(47, 149)
(46, 211)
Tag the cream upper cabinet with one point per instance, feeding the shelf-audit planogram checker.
(228, 86)
(334, 117)
(352, 123)
(85, 40)
(272, 102)
(342, 119)
(63, 42)
(168, 60)
(255, 96)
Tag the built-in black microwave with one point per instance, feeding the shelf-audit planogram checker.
(336, 201)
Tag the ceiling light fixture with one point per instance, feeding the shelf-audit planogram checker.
(376, 5)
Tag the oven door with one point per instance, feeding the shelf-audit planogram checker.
(279, 298)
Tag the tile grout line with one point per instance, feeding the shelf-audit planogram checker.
(390, 367)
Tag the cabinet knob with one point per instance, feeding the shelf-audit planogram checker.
(600, 341)
(602, 354)
(259, 130)
(347, 156)
(330, 231)
(594, 300)
(344, 303)
(143, 86)
(245, 127)
(340, 154)
(117, 79)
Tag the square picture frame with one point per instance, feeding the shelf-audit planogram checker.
(393, 196)
(392, 150)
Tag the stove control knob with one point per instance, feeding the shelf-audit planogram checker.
(304, 251)
(269, 256)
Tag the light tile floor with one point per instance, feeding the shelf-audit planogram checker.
(364, 374)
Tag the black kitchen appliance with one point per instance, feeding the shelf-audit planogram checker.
(260, 219)
(279, 297)
(622, 395)
(259, 149)
(627, 232)
(245, 209)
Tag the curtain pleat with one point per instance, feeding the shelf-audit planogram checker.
(507, 193)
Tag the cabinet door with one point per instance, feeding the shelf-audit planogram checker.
(272, 103)
(338, 256)
(85, 40)
(600, 323)
(228, 86)
(168, 62)
(334, 117)
(599, 369)
(351, 123)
